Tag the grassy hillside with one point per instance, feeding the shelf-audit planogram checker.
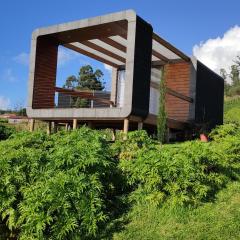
(232, 109)
(219, 219)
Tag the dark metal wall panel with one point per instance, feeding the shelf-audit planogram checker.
(142, 68)
(209, 97)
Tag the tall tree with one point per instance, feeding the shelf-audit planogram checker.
(224, 75)
(87, 79)
(235, 75)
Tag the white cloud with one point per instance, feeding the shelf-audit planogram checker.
(219, 52)
(4, 103)
(108, 68)
(8, 75)
(65, 56)
(22, 58)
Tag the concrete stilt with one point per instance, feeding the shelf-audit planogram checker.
(49, 128)
(114, 135)
(55, 127)
(140, 125)
(125, 128)
(66, 127)
(74, 123)
(31, 125)
(90, 124)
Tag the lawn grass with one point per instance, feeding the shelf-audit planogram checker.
(216, 220)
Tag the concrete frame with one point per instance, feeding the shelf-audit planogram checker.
(79, 113)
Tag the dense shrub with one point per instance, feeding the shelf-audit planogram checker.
(55, 187)
(190, 172)
(70, 185)
(5, 132)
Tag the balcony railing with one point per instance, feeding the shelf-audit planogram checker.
(72, 98)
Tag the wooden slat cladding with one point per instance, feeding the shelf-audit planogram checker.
(178, 79)
(45, 74)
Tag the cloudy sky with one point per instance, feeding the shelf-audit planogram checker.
(208, 29)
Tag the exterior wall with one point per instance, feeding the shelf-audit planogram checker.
(45, 74)
(142, 68)
(209, 97)
(177, 77)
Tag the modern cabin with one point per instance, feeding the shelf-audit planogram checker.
(137, 55)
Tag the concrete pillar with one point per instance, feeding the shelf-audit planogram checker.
(49, 128)
(31, 125)
(55, 127)
(66, 127)
(114, 85)
(90, 124)
(114, 135)
(74, 123)
(140, 125)
(125, 128)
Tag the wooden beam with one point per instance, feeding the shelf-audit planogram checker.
(170, 47)
(114, 44)
(160, 56)
(91, 55)
(172, 92)
(162, 63)
(103, 50)
(179, 95)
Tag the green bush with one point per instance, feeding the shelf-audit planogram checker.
(187, 173)
(56, 187)
(5, 132)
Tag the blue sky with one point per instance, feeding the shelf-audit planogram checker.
(184, 23)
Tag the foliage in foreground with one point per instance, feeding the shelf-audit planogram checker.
(189, 173)
(5, 132)
(55, 187)
(69, 185)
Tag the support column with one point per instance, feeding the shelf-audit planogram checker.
(66, 127)
(125, 128)
(49, 128)
(90, 124)
(74, 123)
(114, 85)
(114, 135)
(55, 127)
(31, 125)
(140, 125)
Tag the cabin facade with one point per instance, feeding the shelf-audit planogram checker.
(137, 55)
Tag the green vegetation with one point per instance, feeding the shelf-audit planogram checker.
(78, 185)
(5, 132)
(232, 88)
(162, 114)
